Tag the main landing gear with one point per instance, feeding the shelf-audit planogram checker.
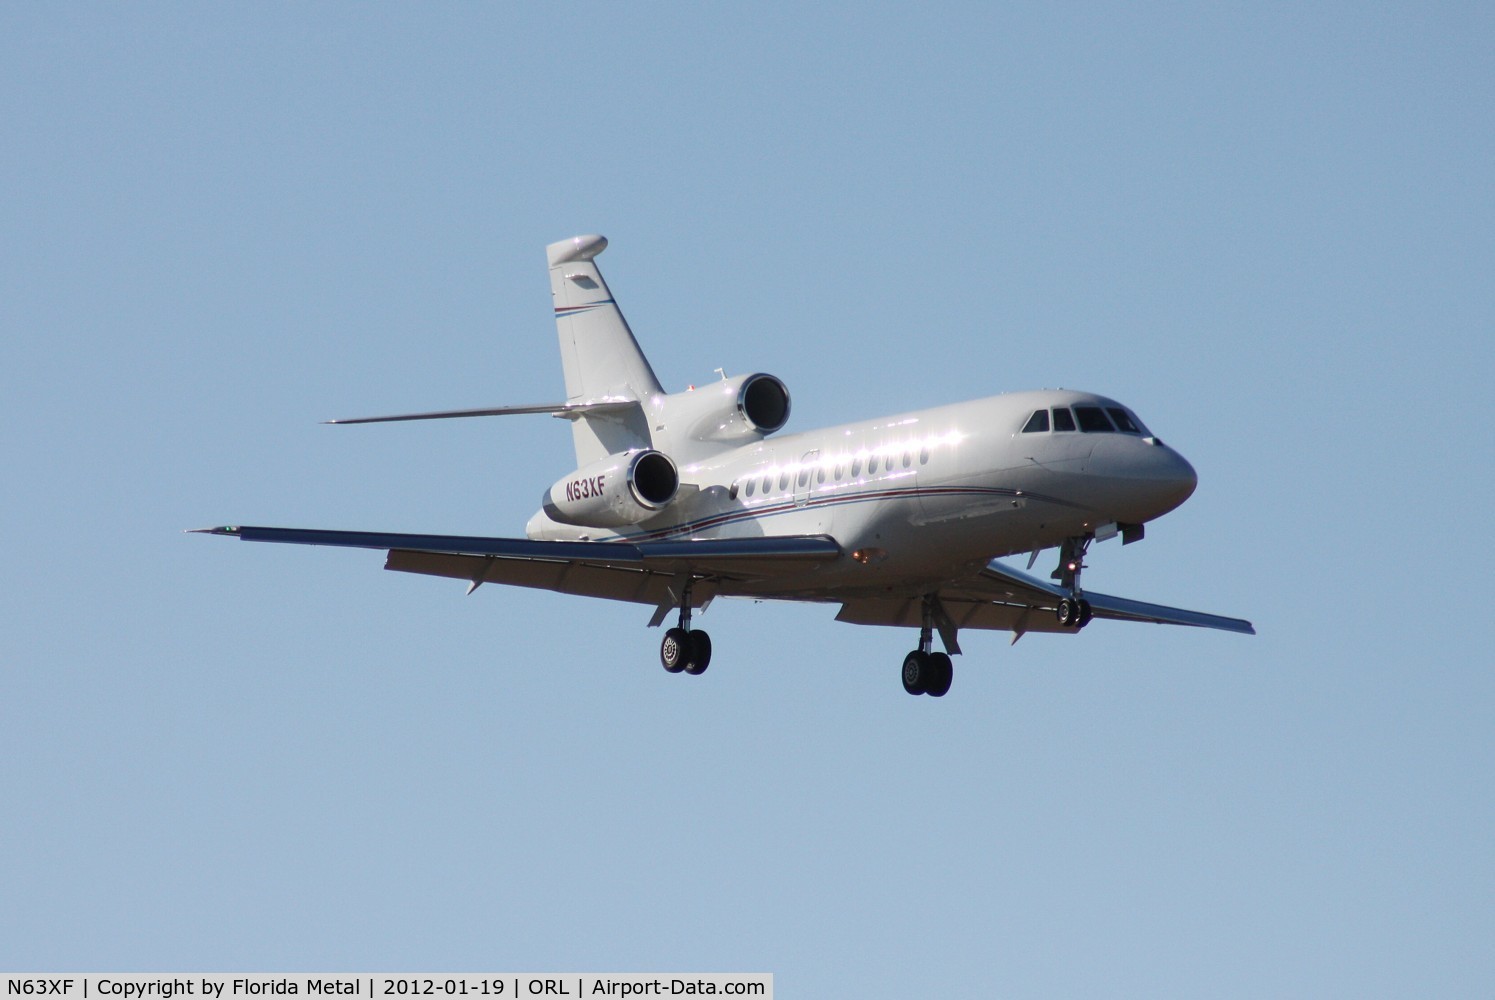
(1073, 611)
(928, 673)
(925, 671)
(683, 649)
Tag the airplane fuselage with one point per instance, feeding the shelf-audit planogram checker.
(921, 496)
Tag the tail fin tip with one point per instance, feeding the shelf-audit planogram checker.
(574, 249)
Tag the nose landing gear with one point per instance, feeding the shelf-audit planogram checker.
(1073, 611)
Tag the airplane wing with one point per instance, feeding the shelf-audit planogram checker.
(1002, 598)
(998, 598)
(641, 572)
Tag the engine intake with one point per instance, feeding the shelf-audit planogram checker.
(731, 412)
(763, 402)
(615, 491)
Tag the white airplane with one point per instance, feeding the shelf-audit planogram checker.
(679, 498)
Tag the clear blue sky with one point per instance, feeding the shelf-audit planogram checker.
(1266, 228)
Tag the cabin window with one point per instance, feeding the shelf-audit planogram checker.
(840, 471)
(784, 480)
(752, 484)
(1063, 419)
(1037, 423)
(1093, 420)
(820, 474)
(924, 455)
(732, 493)
(908, 459)
(1124, 421)
(767, 484)
(871, 465)
(804, 476)
(856, 466)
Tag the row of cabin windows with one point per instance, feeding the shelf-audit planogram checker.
(886, 463)
(1090, 419)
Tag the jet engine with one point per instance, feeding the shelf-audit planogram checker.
(733, 411)
(763, 402)
(615, 491)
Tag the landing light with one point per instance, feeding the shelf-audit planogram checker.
(869, 556)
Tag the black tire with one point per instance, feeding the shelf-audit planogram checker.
(700, 653)
(941, 673)
(1068, 612)
(915, 672)
(674, 651)
(1085, 614)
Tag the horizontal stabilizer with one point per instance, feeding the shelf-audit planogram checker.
(570, 410)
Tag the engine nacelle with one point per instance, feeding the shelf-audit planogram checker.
(763, 402)
(734, 411)
(615, 491)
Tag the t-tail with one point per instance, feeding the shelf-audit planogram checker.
(601, 360)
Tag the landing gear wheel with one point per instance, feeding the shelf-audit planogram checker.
(700, 652)
(916, 671)
(675, 650)
(1074, 612)
(941, 673)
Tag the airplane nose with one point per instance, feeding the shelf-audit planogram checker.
(1176, 478)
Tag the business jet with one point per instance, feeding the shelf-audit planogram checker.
(680, 498)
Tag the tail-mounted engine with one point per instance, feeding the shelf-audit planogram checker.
(733, 411)
(763, 402)
(615, 491)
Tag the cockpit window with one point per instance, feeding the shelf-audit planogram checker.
(1090, 419)
(1093, 420)
(1124, 421)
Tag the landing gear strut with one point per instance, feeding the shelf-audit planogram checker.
(683, 649)
(925, 671)
(1073, 611)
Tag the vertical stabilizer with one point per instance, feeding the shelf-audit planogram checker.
(601, 360)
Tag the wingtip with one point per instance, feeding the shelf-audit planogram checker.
(226, 529)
